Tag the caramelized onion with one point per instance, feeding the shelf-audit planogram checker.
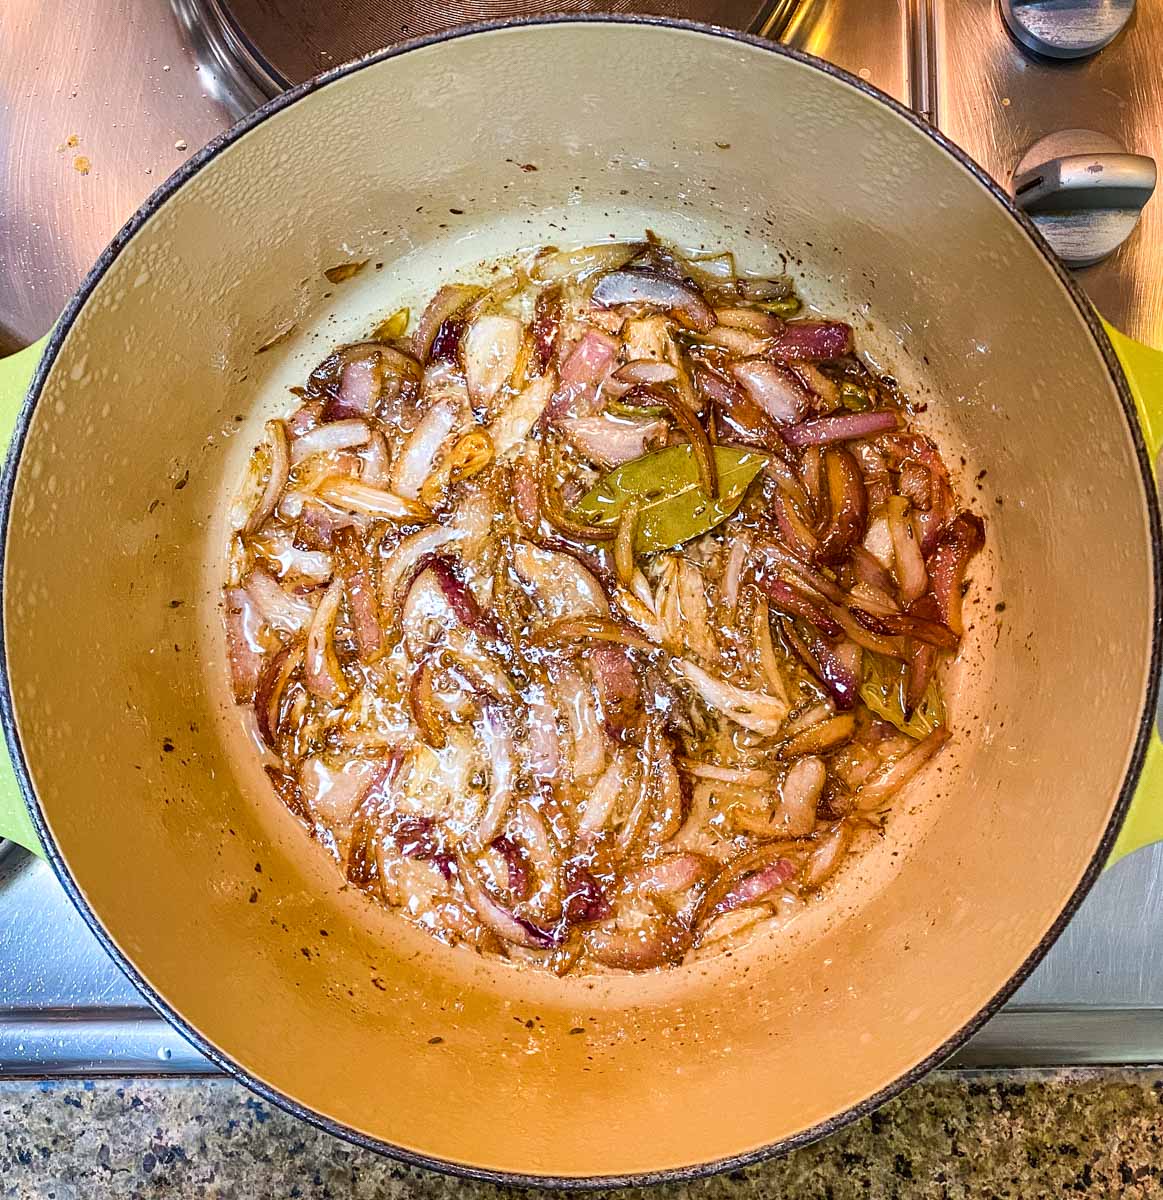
(948, 563)
(912, 578)
(816, 739)
(787, 599)
(353, 496)
(588, 629)
(847, 503)
(756, 711)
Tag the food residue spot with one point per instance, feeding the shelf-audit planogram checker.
(1005, 102)
(180, 144)
(435, 1041)
(82, 164)
(864, 73)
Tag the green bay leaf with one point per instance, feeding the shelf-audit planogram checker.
(883, 690)
(673, 508)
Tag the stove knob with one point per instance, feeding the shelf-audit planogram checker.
(1066, 28)
(1084, 193)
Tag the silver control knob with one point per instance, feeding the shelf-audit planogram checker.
(1084, 192)
(1066, 28)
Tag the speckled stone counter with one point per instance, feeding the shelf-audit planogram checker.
(1027, 1135)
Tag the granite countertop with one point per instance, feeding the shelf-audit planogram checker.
(999, 1135)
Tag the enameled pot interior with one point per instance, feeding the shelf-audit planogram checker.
(439, 157)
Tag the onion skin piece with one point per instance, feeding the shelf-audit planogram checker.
(505, 923)
(280, 468)
(637, 286)
(947, 565)
(323, 674)
(892, 776)
(816, 341)
(847, 427)
(848, 504)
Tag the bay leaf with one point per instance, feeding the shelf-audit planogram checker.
(882, 688)
(673, 508)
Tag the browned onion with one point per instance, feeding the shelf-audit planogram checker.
(749, 879)
(948, 563)
(503, 921)
(848, 506)
(588, 629)
(882, 784)
(912, 578)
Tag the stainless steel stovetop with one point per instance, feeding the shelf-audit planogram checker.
(99, 102)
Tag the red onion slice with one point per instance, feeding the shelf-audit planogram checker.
(817, 341)
(500, 753)
(447, 302)
(912, 579)
(847, 427)
(359, 389)
(611, 441)
(503, 921)
(335, 435)
(590, 359)
(280, 467)
(634, 286)
(488, 354)
(619, 696)
(584, 902)
(245, 650)
(323, 674)
(774, 388)
(280, 609)
(661, 943)
(948, 563)
(847, 504)
(786, 599)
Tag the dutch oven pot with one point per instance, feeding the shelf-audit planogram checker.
(149, 394)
